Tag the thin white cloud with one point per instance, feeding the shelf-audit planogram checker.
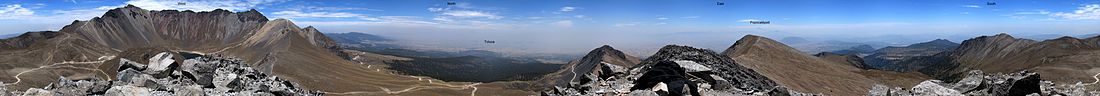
(197, 5)
(469, 14)
(625, 24)
(14, 11)
(434, 9)
(1087, 12)
(297, 14)
(748, 20)
(563, 23)
(567, 9)
(661, 18)
(579, 16)
(1039, 12)
(690, 17)
(326, 8)
(660, 23)
(972, 6)
(443, 19)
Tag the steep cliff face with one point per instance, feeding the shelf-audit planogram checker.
(796, 70)
(130, 27)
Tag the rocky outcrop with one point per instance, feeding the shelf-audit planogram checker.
(196, 76)
(600, 63)
(679, 70)
(977, 83)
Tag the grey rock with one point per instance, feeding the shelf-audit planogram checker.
(160, 62)
(879, 90)
(933, 88)
(127, 90)
(691, 66)
(978, 84)
(38, 92)
(677, 70)
(199, 76)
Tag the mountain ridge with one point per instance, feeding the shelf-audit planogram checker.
(790, 67)
(600, 63)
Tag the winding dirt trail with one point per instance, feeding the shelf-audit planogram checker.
(414, 88)
(1095, 79)
(55, 65)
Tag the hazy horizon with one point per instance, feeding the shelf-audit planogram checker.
(639, 27)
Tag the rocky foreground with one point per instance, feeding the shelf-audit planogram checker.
(976, 83)
(681, 70)
(675, 70)
(197, 75)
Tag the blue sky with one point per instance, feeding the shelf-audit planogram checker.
(597, 14)
(669, 20)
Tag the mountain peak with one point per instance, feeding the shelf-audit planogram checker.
(1003, 35)
(608, 54)
(938, 43)
(604, 48)
(130, 6)
(940, 40)
(600, 62)
(753, 42)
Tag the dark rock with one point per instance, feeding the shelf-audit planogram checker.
(675, 71)
(975, 83)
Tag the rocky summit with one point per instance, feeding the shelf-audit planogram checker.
(198, 75)
(678, 70)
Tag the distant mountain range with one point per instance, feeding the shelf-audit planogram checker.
(888, 58)
(460, 66)
(6, 36)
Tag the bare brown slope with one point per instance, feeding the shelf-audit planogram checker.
(889, 78)
(797, 70)
(43, 60)
(590, 64)
(1063, 60)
